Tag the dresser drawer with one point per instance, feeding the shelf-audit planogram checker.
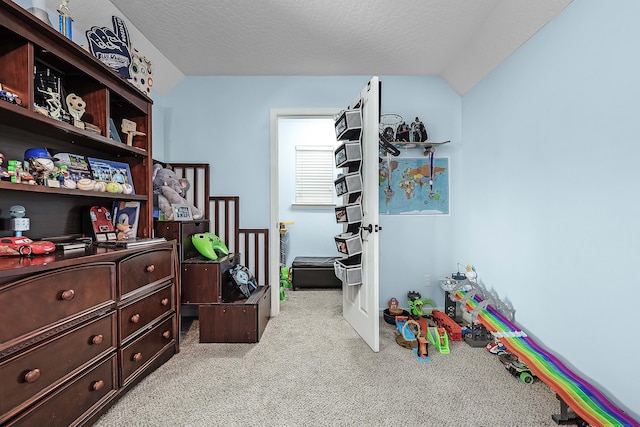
(144, 268)
(33, 305)
(143, 312)
(38, 370)
(75, 401)
(137, 355)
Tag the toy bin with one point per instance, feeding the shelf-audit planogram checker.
(349, 270)
(348, 184)
(348, 243)
(348, 125)
(348, 154)
(349, 214)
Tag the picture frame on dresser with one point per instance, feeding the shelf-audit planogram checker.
(181, 212)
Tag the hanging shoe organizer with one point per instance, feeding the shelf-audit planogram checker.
(348, 185)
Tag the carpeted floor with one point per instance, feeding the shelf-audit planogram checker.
(310, 368)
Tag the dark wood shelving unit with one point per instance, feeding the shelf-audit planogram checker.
(78, 329)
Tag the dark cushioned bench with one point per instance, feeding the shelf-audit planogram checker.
(314, 272)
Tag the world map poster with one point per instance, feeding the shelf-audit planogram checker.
(406, 186)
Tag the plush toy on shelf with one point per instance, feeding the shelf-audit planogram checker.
(171, 190)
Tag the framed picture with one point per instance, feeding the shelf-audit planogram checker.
(111, 171)
(126, 215)
(181, 212)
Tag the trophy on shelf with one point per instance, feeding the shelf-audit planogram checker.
(65, 20)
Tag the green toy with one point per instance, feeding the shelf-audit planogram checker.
(416, 302)
(439, 338)
(209, 245)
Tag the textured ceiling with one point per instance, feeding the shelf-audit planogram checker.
(460, 40)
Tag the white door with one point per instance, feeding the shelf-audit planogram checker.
(360, 302)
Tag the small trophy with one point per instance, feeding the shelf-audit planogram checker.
(66, 22)
(76, 107)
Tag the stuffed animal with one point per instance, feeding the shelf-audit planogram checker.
(171, 190)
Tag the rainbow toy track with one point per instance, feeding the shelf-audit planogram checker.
(584, 399)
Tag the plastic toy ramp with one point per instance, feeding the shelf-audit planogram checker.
(583, 398)
(439, 338)
(410, 331)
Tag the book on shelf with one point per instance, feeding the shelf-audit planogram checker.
(130, 243)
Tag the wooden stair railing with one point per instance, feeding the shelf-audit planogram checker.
(251, 243)
(254, 250)
(224, 214)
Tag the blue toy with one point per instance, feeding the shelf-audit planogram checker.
(209, 245)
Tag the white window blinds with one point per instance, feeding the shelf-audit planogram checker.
(314, 175)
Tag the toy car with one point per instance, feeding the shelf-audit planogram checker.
(496, 348)
(25, 246)
(521, 371)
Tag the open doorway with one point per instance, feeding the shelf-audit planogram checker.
(284, 124)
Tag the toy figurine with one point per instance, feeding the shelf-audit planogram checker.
(40, 165)
(4, 175)
(419, 131)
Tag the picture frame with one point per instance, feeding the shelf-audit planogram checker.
(181, 212)
(111, 171)
(126, 214)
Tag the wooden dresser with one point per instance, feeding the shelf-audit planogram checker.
(77, 331)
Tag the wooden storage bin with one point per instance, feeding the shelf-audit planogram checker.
(241, 321)
(203, 279)
(181, 231)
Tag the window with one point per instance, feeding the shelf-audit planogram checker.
(314, 175)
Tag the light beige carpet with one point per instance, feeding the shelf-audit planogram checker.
(310, 368)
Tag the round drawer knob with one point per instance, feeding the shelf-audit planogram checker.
(32, 376)
(98, 385)
(97, 339)
(137, 357)
(135, 318)
(150, 268)
(166, 334)
(165, 301)
(68, 294)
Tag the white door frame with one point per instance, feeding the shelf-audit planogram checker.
(274, 229)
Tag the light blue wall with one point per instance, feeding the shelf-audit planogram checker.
(550, 177)
(224, 121)
(543, 180)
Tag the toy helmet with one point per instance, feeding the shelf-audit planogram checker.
(36, 153)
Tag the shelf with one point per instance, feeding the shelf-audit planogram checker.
(4, 185)
(39, 124)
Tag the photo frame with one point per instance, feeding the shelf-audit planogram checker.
(111, 171)
(126, 215)
(181, 212)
